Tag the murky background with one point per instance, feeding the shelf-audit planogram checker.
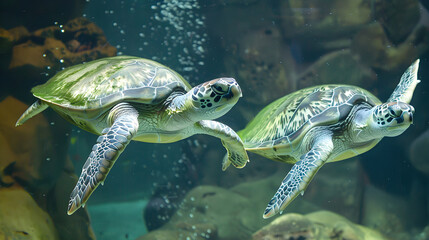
(177, 190)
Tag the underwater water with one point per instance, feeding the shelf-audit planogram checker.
(178, 190)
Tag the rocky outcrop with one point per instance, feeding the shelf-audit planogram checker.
(31, 156)
(77, 41)
(322, 225)
(34, 157)
(22, 218)
(31, 58)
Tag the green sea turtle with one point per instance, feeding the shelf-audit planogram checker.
(127, 98)
(327, 123)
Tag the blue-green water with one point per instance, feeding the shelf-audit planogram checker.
(178, 190)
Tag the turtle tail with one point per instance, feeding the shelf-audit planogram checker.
(36, 108)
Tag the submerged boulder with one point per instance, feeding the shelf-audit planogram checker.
(338, 67)
(321, 225)
(30, 148)
(22, 218)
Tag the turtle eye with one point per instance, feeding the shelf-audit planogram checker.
(220, 89)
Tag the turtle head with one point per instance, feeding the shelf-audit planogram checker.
(392, 118)
(214, 98)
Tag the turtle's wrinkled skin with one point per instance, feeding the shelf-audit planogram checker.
(327, 123)
(128, 98)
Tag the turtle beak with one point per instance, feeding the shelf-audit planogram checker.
(236, 90)
(410, 114)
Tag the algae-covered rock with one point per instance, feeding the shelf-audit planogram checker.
(22, 218)
(321, 225)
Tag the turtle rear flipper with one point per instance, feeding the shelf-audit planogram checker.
(301, 174)
(405, 89)
(35, 108)
(104, 154)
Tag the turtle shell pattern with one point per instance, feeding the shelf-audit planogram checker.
(105, 82)
(284, 122)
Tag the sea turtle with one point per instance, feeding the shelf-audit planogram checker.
(326, 123)
(126, 98)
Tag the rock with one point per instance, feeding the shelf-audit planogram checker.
(79, 40)
(32, 58)
(321, 19)
(340, 67)
(260, 58)
(315, 27)
(234, 214)
(30, 147)
(21, 218)
(375, 49)
(338, 187)
(318, 27)
(255, 52)
(183, 230)
(225, 209)
(31, 158)
(419, 153)
(397, 24)
(288, 226)
(423, 235)
(9, 37)
(56, 205)
(391, 214)
(317, 225)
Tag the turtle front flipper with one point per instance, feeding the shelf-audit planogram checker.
(298, 178)
(236, 154)
(104, 154)
(405, 89)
